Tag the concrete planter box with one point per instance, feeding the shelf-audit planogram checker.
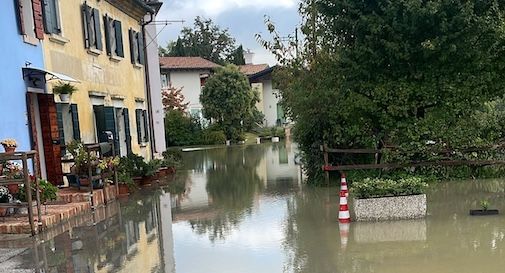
(390, 208)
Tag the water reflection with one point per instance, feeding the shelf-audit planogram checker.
(128, 237)
(242, 209)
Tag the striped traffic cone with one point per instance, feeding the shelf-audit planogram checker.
(344, 234)
(343, 214)
(343, 184)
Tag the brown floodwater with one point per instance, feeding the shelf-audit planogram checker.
(243, 209)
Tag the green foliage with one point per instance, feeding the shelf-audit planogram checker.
(64, 88)
(48, 192)
(228, 99)
(82, 158)
(377, 187)
(237, 56)
(484, 204)
(210, 137)
(395, 73)
(206, 40)
(133, 165)
(181, 129)
(126, 178)
(172, 158)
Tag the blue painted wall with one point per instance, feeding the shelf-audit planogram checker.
(14, 53)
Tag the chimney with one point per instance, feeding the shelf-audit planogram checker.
(248, 56)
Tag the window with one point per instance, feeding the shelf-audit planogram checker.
(91, 25)
(136, 47)
(142, 126)
(113, 37)
(165, 80)
(51, 16)
(29, 15)
(68, 124)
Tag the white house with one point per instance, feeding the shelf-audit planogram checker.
(188, 73)
(260, 77)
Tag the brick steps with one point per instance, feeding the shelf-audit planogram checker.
(72, 203)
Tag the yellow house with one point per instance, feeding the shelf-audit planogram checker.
(100, 44)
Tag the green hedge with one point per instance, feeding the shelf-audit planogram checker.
(380, 187)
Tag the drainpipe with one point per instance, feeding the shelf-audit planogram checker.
(148, 86)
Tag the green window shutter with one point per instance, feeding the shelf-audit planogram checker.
(138, 117)
(106, 121)
(107, 30)
(47, 13)
(86, 21)
(133, 46)
(127, 131)
(98, 32)
(146, 126)
(119, 38)
(140, 41)
(99, 121)
(75, 122)
(110, 125)
(61, 130)
(57, 21)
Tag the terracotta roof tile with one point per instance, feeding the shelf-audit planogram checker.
(175, 63)
(251, 69)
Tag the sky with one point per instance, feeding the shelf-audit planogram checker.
(243, 19)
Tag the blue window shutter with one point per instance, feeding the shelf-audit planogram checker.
(119, 38)
(146, 126)
(107, 30)
(75, 122)
(127, 130)
(98, 32)
(140, 41)
(86, 24)
(138, 117)
(61, 130)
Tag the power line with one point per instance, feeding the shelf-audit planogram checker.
(165, 23)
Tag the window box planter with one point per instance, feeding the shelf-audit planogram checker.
(480, 212)
(390, 208)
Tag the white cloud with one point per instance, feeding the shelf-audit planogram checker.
(216, 7)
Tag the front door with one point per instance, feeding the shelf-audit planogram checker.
(50, 138)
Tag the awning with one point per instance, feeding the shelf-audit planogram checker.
(34, 71)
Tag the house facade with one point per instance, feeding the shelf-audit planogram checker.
(260, 77)
(190, 74)
(22, 47)
(100, 45)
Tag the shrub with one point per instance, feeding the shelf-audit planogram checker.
(171, 158)
(379, 187)
(133, 164)
(212, 137)
(181, 129)
(47, 192)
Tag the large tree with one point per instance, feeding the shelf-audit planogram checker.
(400, 73)
(206, 40)
(237, 56)
(228, 99)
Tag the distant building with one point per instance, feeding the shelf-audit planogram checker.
(260, 77)
(190, 74)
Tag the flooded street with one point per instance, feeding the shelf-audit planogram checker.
(243, 209)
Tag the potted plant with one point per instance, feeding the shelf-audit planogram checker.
(5, 197)
(9, 145)
(82, 161)
(134, 165)
(13, 170)
(64, 90)
(171, 160)
(47, 193)
(125, 183)
(484, 205)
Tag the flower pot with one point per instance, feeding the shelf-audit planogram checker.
(9, 149)
(480, 212)
(13, 188)
(65, 97)
(83, 181)
(146, 180)
(3, 211)
(138, 180)
(123, 189)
